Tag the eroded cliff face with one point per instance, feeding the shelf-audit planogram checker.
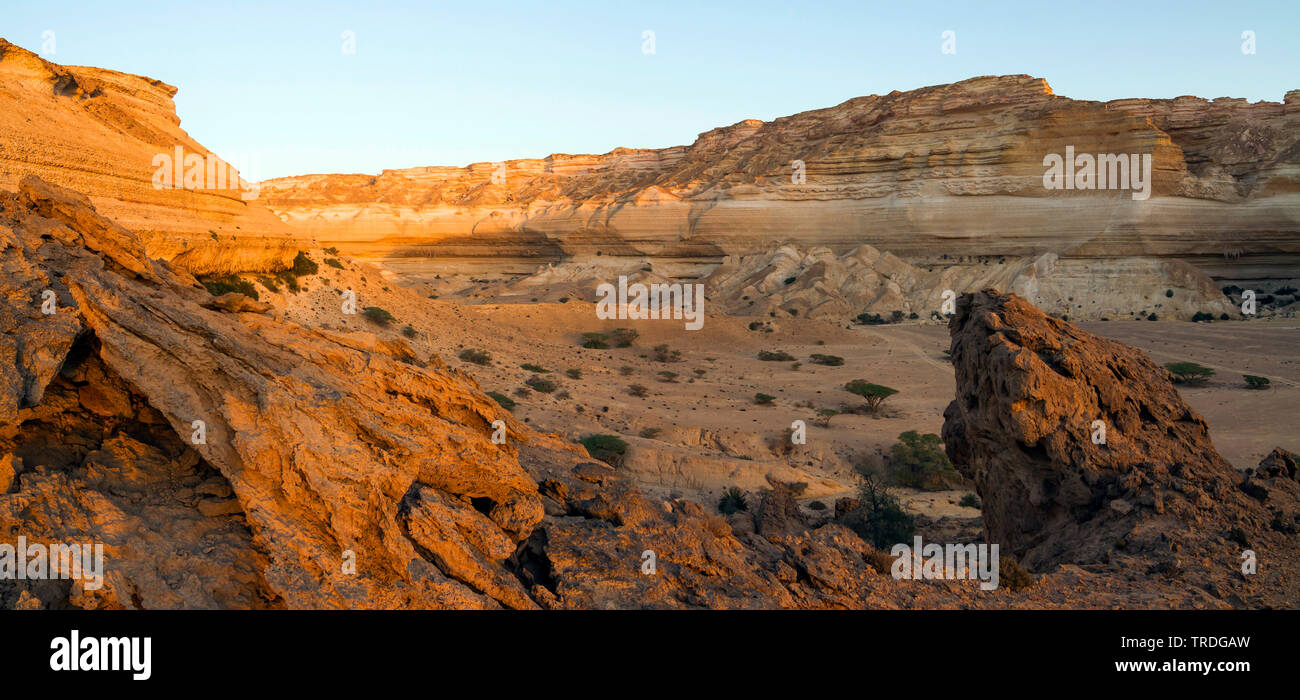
(99, 131)
(951, 169)
(1083, 452)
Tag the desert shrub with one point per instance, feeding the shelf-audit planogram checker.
(625, 371)
(332, 250)
(637, 390)
(763, 399)
(970, 500)
(918, 461)
(869, 319)
(505, 401)
(698, 372)
(896, 315)
(667, 376)
(913, 316)
(880, 519)
(478, 357)
(606, 448)
(624, 337)
(824, 416)
(873, 394)
(1152, 317)
(663, 353)
(269, 284)
(595, 341)
(224, 285)
(409, 332)
(1189, 373)
(1169, 293)
(535, 368)
(650, 433)
(213, 234)
(828, 360)
(1254, 382)
(303, 265)
(775, 356)
(1200, 316)
(1011, 575)
(332, 262)
(378, 315)
(573, 373)
(733, 501)
(541, 384)
(817, 505)
(790, 280)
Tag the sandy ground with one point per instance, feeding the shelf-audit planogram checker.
(711, 434)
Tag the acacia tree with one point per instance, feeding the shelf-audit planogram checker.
(873, 394)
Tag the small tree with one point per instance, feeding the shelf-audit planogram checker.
(624, 337)
(733, 501)
(665, 354)
(919, 461)
(1189, 373)
(478, 357)
(378, 315)
(873, 394)
(881, 519)
(595, 341)
(606, 448)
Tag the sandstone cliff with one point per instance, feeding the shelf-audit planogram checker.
(951, 169)
(99, 132)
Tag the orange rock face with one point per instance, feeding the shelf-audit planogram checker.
(955, 169)
(108, 135)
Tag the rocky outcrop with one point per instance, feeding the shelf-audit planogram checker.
(1083, 452)
(951, 170)
(106, 134)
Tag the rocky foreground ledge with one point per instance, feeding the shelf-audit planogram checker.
(339, 470)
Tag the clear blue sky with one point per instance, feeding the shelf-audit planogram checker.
(436, 83)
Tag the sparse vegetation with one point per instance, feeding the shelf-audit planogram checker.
(625, 371)
(224, 285)
(873, 394)
(881, 519)
(650, 433)
(1201, 316)
(269, 284)
(573, 373)
(1254, 382)
(733, 501)
(638, 390)
(378, 315)
(624, 337)
(332, 250)
(763, 399)
(1189, 373)
(505, 401)
(409, 332)
(775, 356)
(541, 384)
(478, 357)
(663, 353)
(333, 262)
(828, 360)
(666, 376)
(595, 341)
(970, 500)
(535, 368)
(606, 448)
(918, 461)
(303, 265)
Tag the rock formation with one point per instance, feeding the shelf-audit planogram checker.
(952, 170)
(99, 132)
(1083, 452)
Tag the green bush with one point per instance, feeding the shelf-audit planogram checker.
(918, 461)
(332, 250)
(663, 353)
(650, 433)
(218, 286)
(409, 332)
(764, 399)
(269, 284)
(970, 500)
(378, 315)
(573, 373)
(606, 448)
(535, 368)
(478, 357)
(1253, 382)
(1189, 373)
(541, 384)
(637, 390)
(873, 394)
(666, 376)
(1200, 316)
(733, 501)
(332, 262)
(595, 341)
(505, 401)
(774, 356)
(828, 360)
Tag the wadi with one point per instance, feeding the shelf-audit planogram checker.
(659, 378)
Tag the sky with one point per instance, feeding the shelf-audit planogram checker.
(272, 86)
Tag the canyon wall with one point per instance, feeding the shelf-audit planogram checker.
(943, 171)
(102, 133)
